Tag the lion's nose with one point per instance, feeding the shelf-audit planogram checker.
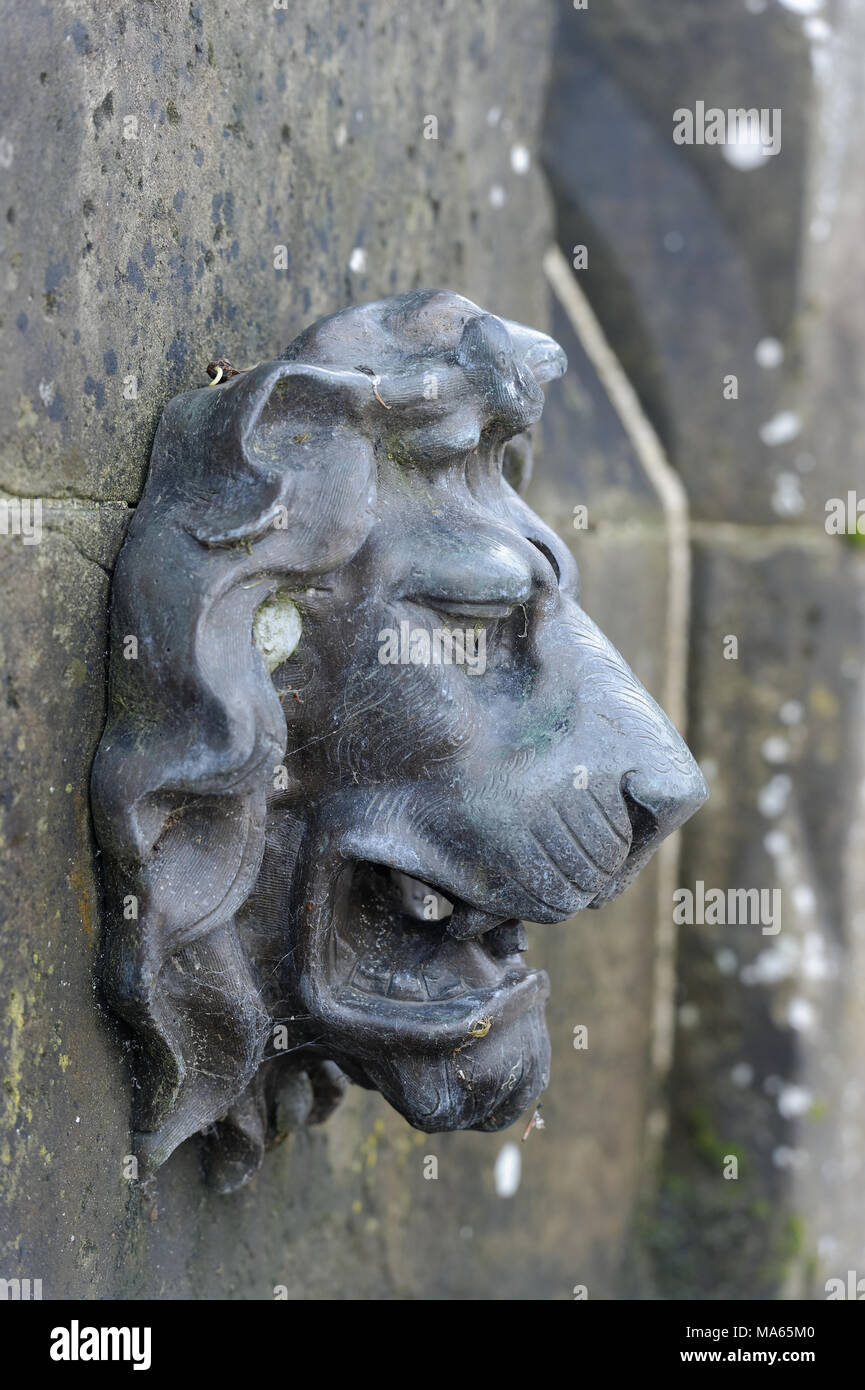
(660, 800)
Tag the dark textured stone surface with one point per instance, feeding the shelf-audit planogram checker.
(690, 260)
(769, 1024)
(691, 263)
(256, 128)
(64, 1091)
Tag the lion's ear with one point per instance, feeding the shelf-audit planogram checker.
(258, 445)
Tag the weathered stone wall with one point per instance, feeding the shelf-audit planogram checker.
(154, 157)
(694, 262)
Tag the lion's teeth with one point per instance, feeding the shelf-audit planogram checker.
(442, 983)
(372, 976)
(405, 984)
(470, 921)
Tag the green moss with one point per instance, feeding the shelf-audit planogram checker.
(399, 452)
(708, 1142)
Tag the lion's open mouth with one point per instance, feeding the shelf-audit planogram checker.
(400, 945)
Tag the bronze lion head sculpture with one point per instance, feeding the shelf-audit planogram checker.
(351, 684)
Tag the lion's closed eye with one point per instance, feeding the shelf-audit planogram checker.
(483, 609)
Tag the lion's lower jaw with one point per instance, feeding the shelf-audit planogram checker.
(486, 1083)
